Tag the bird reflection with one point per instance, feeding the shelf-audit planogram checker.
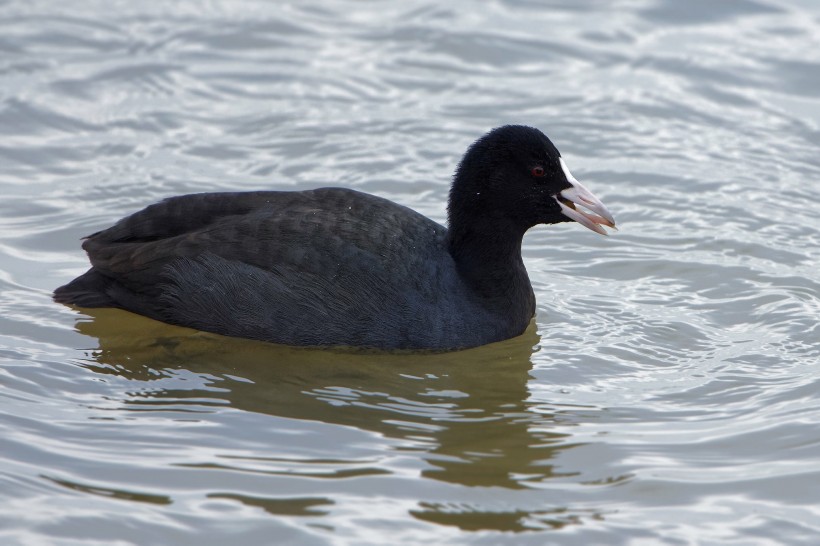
(467, 409)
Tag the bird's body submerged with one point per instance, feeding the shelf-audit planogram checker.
(332, 267)
(320, 268)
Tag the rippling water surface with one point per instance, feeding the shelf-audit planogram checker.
(668, 391)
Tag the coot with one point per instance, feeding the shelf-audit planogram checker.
(337, 267)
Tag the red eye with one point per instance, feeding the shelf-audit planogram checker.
(538, 171)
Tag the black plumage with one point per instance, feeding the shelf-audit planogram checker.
(337, 267)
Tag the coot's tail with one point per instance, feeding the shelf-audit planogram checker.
(88, 290)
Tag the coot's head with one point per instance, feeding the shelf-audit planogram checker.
(514, 176)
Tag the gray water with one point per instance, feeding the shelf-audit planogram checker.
(667, 392)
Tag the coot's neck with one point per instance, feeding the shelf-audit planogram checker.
(487, 253)
(483, 239)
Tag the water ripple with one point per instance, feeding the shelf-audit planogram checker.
(666, 392)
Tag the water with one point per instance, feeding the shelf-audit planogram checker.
(666, 393)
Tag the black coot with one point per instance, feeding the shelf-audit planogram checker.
(337, 267)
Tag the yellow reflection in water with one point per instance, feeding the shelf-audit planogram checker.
(465, 413)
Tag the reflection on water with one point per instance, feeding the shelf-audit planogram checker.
(466, 413)
(666, 393)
